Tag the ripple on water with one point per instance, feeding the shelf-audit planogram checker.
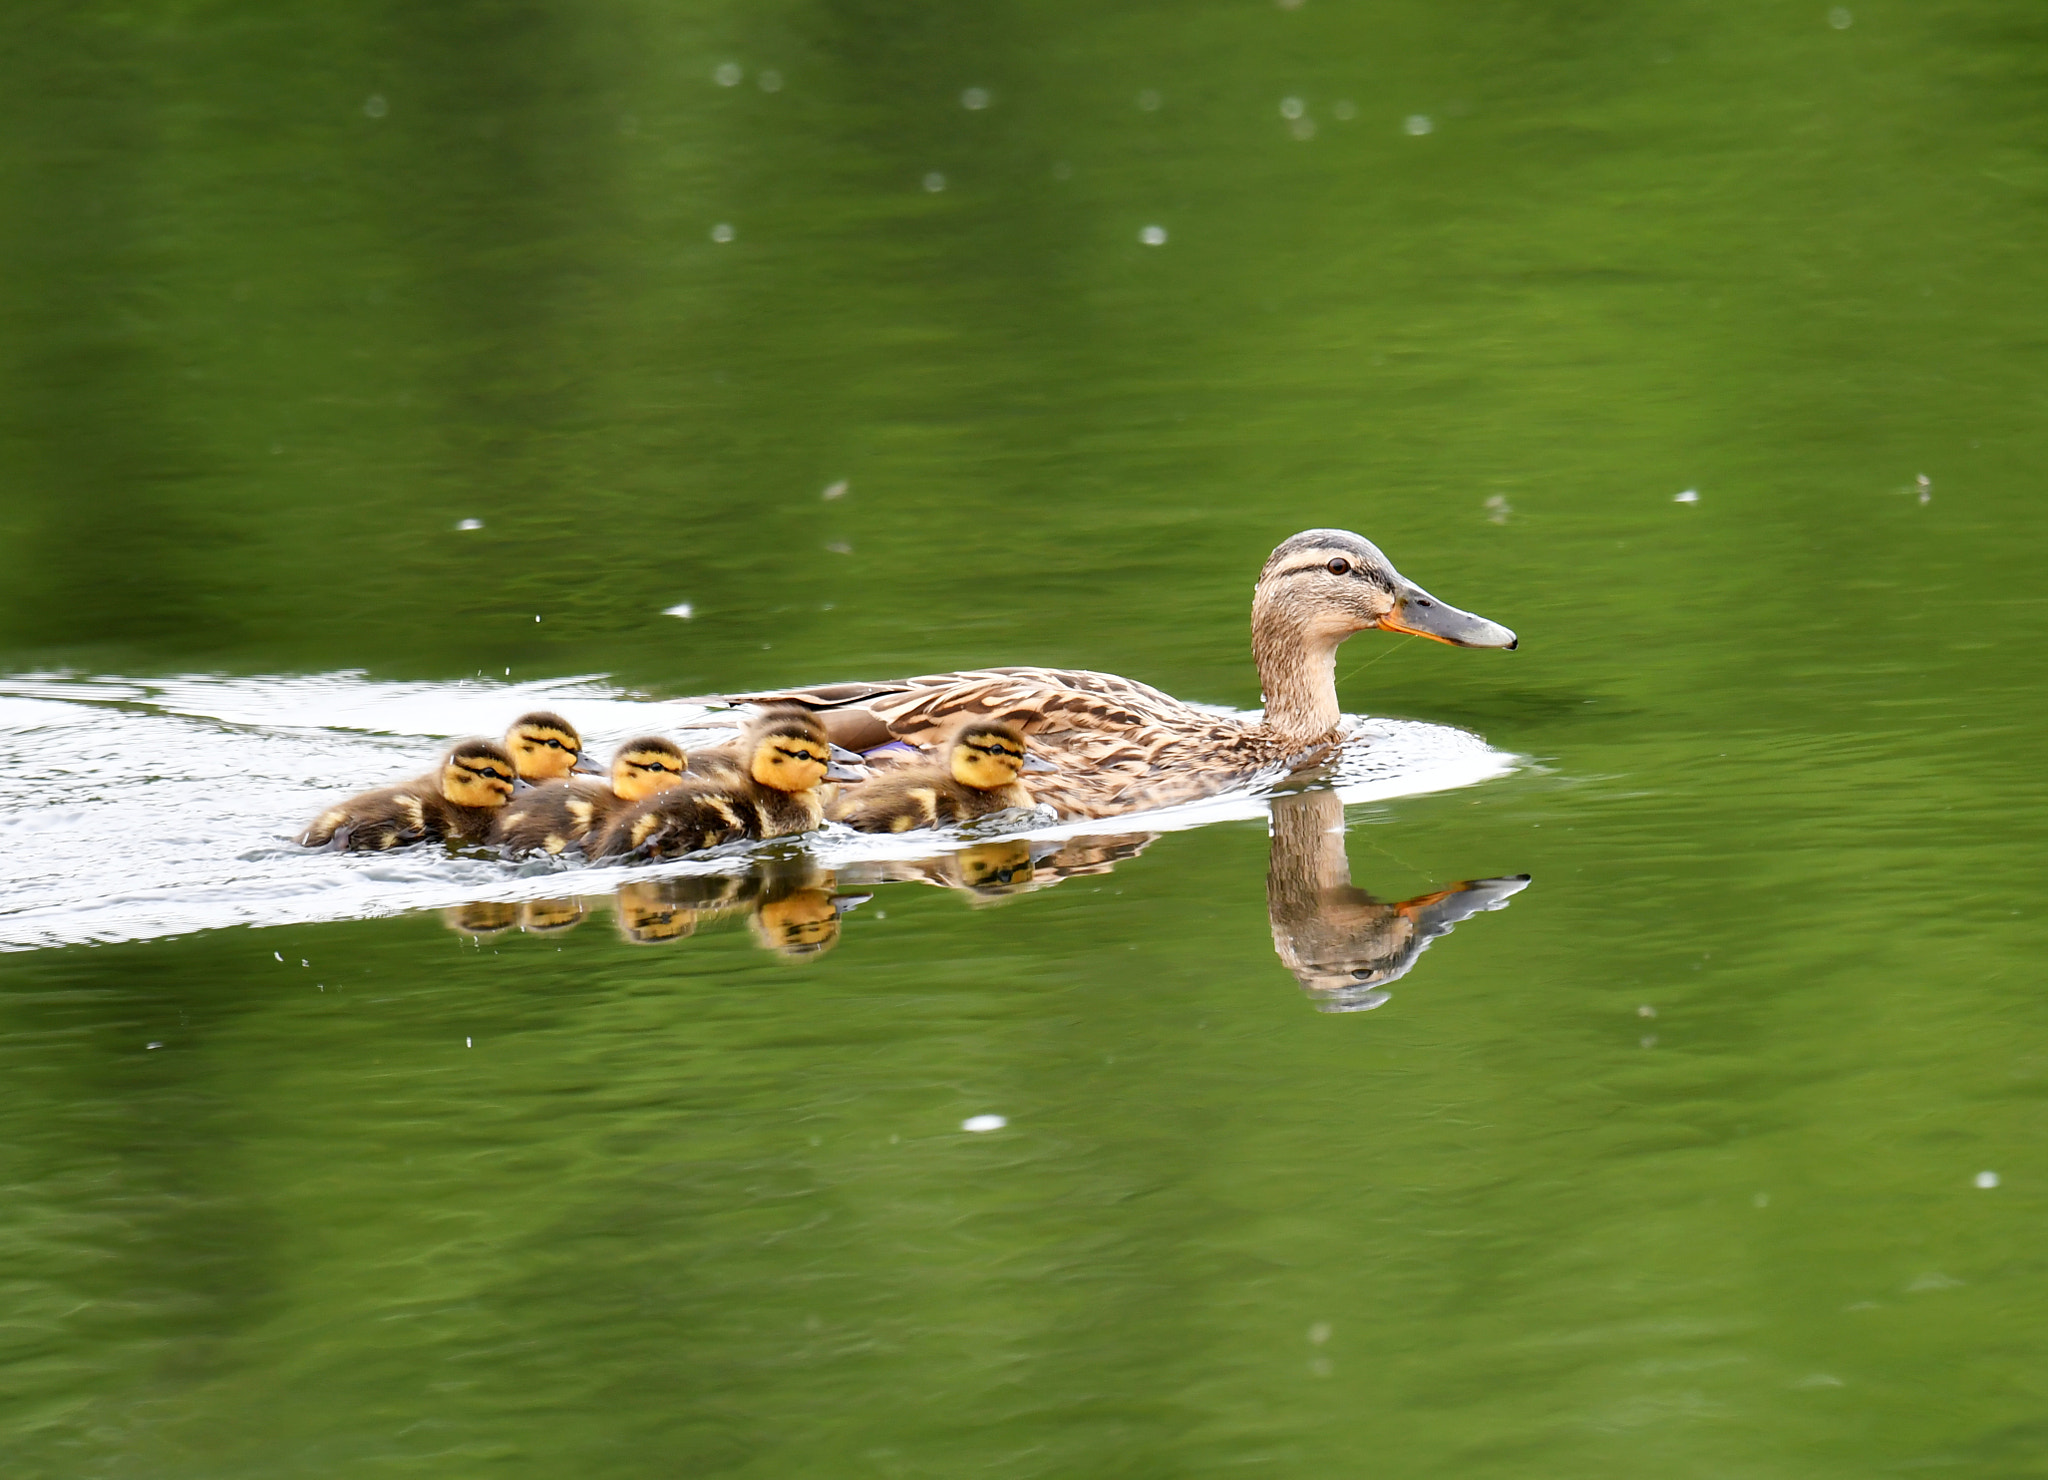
(132, 809)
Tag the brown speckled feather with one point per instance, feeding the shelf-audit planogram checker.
(1119, 746)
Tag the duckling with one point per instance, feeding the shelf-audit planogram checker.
(787, 756)
(979, 776)
(454, 804)
(545, 747)
(559, 815)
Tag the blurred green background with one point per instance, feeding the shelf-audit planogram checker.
(288, 290)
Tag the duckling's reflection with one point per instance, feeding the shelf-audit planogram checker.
(1340, 943)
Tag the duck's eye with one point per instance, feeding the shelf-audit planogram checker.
(1340, 567)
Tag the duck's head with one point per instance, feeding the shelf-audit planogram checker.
(786, 749)
(645, 766)
(1329, 583)
(477, 773)
(545, 746)
(987, 755)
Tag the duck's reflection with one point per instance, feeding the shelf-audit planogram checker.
(1340, 943)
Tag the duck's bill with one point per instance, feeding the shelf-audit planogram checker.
(585, 766)
(837, 772)
(1421, 615)
(1038, 763)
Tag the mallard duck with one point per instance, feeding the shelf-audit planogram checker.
(544, 746)
(1120, 746)
(787, 757)
(455, 803)
(978, 776)
(558, 815)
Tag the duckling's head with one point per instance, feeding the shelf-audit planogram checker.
(545, 746)
(787, 749)
(477, 773)
(1325, 584)
(645, 766)
(986, 755)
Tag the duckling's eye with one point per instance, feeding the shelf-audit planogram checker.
(1339, 567)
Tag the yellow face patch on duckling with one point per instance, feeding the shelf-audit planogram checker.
(478, 773)
(790, 762)
(544, 746)
(987, 757)
(647, 766)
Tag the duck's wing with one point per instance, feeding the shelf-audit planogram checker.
(1117, 745)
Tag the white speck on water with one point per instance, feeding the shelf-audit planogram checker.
(722, 232)
(1987, 1179)
(975, 99)
(508, 673)
(1418, 124)
(980, 1124)
(1925, 485)
(1646, 1011)
(1292, 107)
(375, 106)
(1344, 110)
(934, 182)
(468, 1043)
(1498, 508)
(1319, 1333)
(304, 962)
(770, 81)
(1302, 128)
(681, 609)
(1153, 236)
(1762, 1200)
(1150, 100)
(466, 524)
(840, 547)
(1690, 496)
(836, 490)
(1840, 18)
(536, 616)
(280, 958)
(148, 1046)
(728, 74)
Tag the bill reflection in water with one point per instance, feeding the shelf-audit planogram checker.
(1341, 944)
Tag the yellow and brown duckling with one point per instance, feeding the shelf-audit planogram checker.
(560, 815)
(787, 757)
(979, 775)
(545, 747)
(455, 803)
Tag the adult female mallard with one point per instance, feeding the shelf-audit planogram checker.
(1121, 746)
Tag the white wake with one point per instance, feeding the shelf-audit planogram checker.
(134, 809)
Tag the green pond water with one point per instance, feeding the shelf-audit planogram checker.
(1675, 1165)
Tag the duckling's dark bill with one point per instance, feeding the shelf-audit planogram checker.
(1421, 615)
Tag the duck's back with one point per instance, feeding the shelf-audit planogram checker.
(1118, 745)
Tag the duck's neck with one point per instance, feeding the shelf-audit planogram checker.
(1298, 671)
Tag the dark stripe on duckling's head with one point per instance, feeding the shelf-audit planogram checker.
(545, 745)
(787, 749)
(650, 764)
(986, 754)
(477, 773)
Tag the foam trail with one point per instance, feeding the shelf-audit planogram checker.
(133, 809)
